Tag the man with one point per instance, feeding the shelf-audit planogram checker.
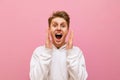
(58, 59)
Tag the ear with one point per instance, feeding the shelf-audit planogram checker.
(68, 32)
(48, 28)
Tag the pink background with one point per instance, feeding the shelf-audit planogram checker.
(96, 26)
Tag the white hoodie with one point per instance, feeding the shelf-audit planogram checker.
(57, 64)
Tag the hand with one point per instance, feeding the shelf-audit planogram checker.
(48, 43)
(70, 41)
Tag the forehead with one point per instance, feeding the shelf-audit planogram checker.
(58, 20)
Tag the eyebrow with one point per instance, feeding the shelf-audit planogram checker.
(63, 23)
(57, 23)
(54, 23)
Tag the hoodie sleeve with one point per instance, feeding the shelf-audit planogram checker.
(76, 64)
(39, 65)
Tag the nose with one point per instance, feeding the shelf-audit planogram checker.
(58, 28)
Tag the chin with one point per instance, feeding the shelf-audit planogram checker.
(58, 43)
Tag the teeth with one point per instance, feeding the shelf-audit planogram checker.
(58, 36)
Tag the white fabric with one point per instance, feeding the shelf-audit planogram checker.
(57, 64)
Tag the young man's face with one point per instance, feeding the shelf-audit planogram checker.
(59, 30)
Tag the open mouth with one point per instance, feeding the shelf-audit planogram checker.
(58, 36)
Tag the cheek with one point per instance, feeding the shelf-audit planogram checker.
(52, 32)
(52, 29)
(65, 32)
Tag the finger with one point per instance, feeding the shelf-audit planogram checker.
(67, 44)
(48, 34)
(71, 35)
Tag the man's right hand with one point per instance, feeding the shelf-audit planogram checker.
(48, 43)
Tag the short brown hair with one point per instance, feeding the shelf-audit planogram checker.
(61, 14)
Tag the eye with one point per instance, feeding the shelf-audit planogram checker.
(54, 25)
(63, 25)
